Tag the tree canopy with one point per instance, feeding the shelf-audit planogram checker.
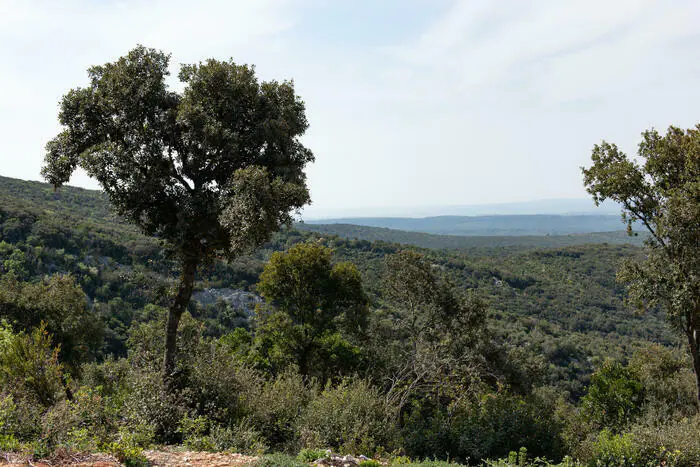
(659, 191)
(318, 309)
(212, 171)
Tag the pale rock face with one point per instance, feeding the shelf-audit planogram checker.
(337, 460)
(238, 299)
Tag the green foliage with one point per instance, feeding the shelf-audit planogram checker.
(553, 314)
(308, 455)
(490, 426)
(370, 463)
(29, 365)
(279, 460)
(351, 417)
(557, 311)
(316, 300)
(200, 434)
(661, 192)
(673, 443)
(616, 449)
(614, 397)
(668, 381)
(61, 305)
(311, 290)
(275, 405)
(212, 171)
(427, 463)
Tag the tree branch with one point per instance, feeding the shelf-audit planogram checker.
(646, 223)
(176, 173)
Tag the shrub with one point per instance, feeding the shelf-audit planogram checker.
(147, 403)
(218, 382)
(274, 407)
(614, 397)
(489, 426)
(129, 445)
(671, 443)
(279, 460)
(616, 449)
(29, 365)
(669, 383)
(80, 424)
(310, 455)
(351, 417)
(109, 377)
(200, 434)
(20, 417)
(241, 438)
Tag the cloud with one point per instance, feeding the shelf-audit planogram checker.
(413, 103)
(47, 46)
(558, 50)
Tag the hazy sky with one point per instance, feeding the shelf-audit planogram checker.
(412, 103)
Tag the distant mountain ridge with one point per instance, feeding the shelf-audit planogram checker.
(502, 225)
(544, 206)
(470, 242)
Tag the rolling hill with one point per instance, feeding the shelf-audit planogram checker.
(502, 225)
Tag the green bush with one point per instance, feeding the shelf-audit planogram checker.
(671, 443)
(307, 455)
(669, 383)
(616, 449)
(428, 463)
(29, 365)
(351, 417)
(147, 403)
(82, 423)
(109, 377)
(129, 445)
(201, 434)
(279, 460)
(487, 427)
(614, 397)
(274, 407)
(20, 417)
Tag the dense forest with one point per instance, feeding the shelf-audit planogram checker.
(462, 354)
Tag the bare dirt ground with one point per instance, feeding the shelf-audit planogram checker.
(155, 458)
(190, 458)
(73, 459)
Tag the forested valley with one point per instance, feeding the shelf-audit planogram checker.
(502, 348)
(179, 311)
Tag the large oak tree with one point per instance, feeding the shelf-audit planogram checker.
(660, 193)
(212, 170)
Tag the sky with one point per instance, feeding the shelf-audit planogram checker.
(414, 105)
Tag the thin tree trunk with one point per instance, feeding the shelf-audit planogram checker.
(696, 367)
(691, 332)
(182, 299)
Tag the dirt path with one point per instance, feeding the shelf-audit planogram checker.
(159, 458)
(196, 459)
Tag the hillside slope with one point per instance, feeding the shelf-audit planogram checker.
(466, 242)
(533, 224)
(561, 306)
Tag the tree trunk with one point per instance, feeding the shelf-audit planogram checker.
(692, 335)
(696, 367)
(182, 299)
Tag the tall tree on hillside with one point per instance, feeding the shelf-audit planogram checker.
(212, 171)
(444, 332)
(321, 307)
(661, 193)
